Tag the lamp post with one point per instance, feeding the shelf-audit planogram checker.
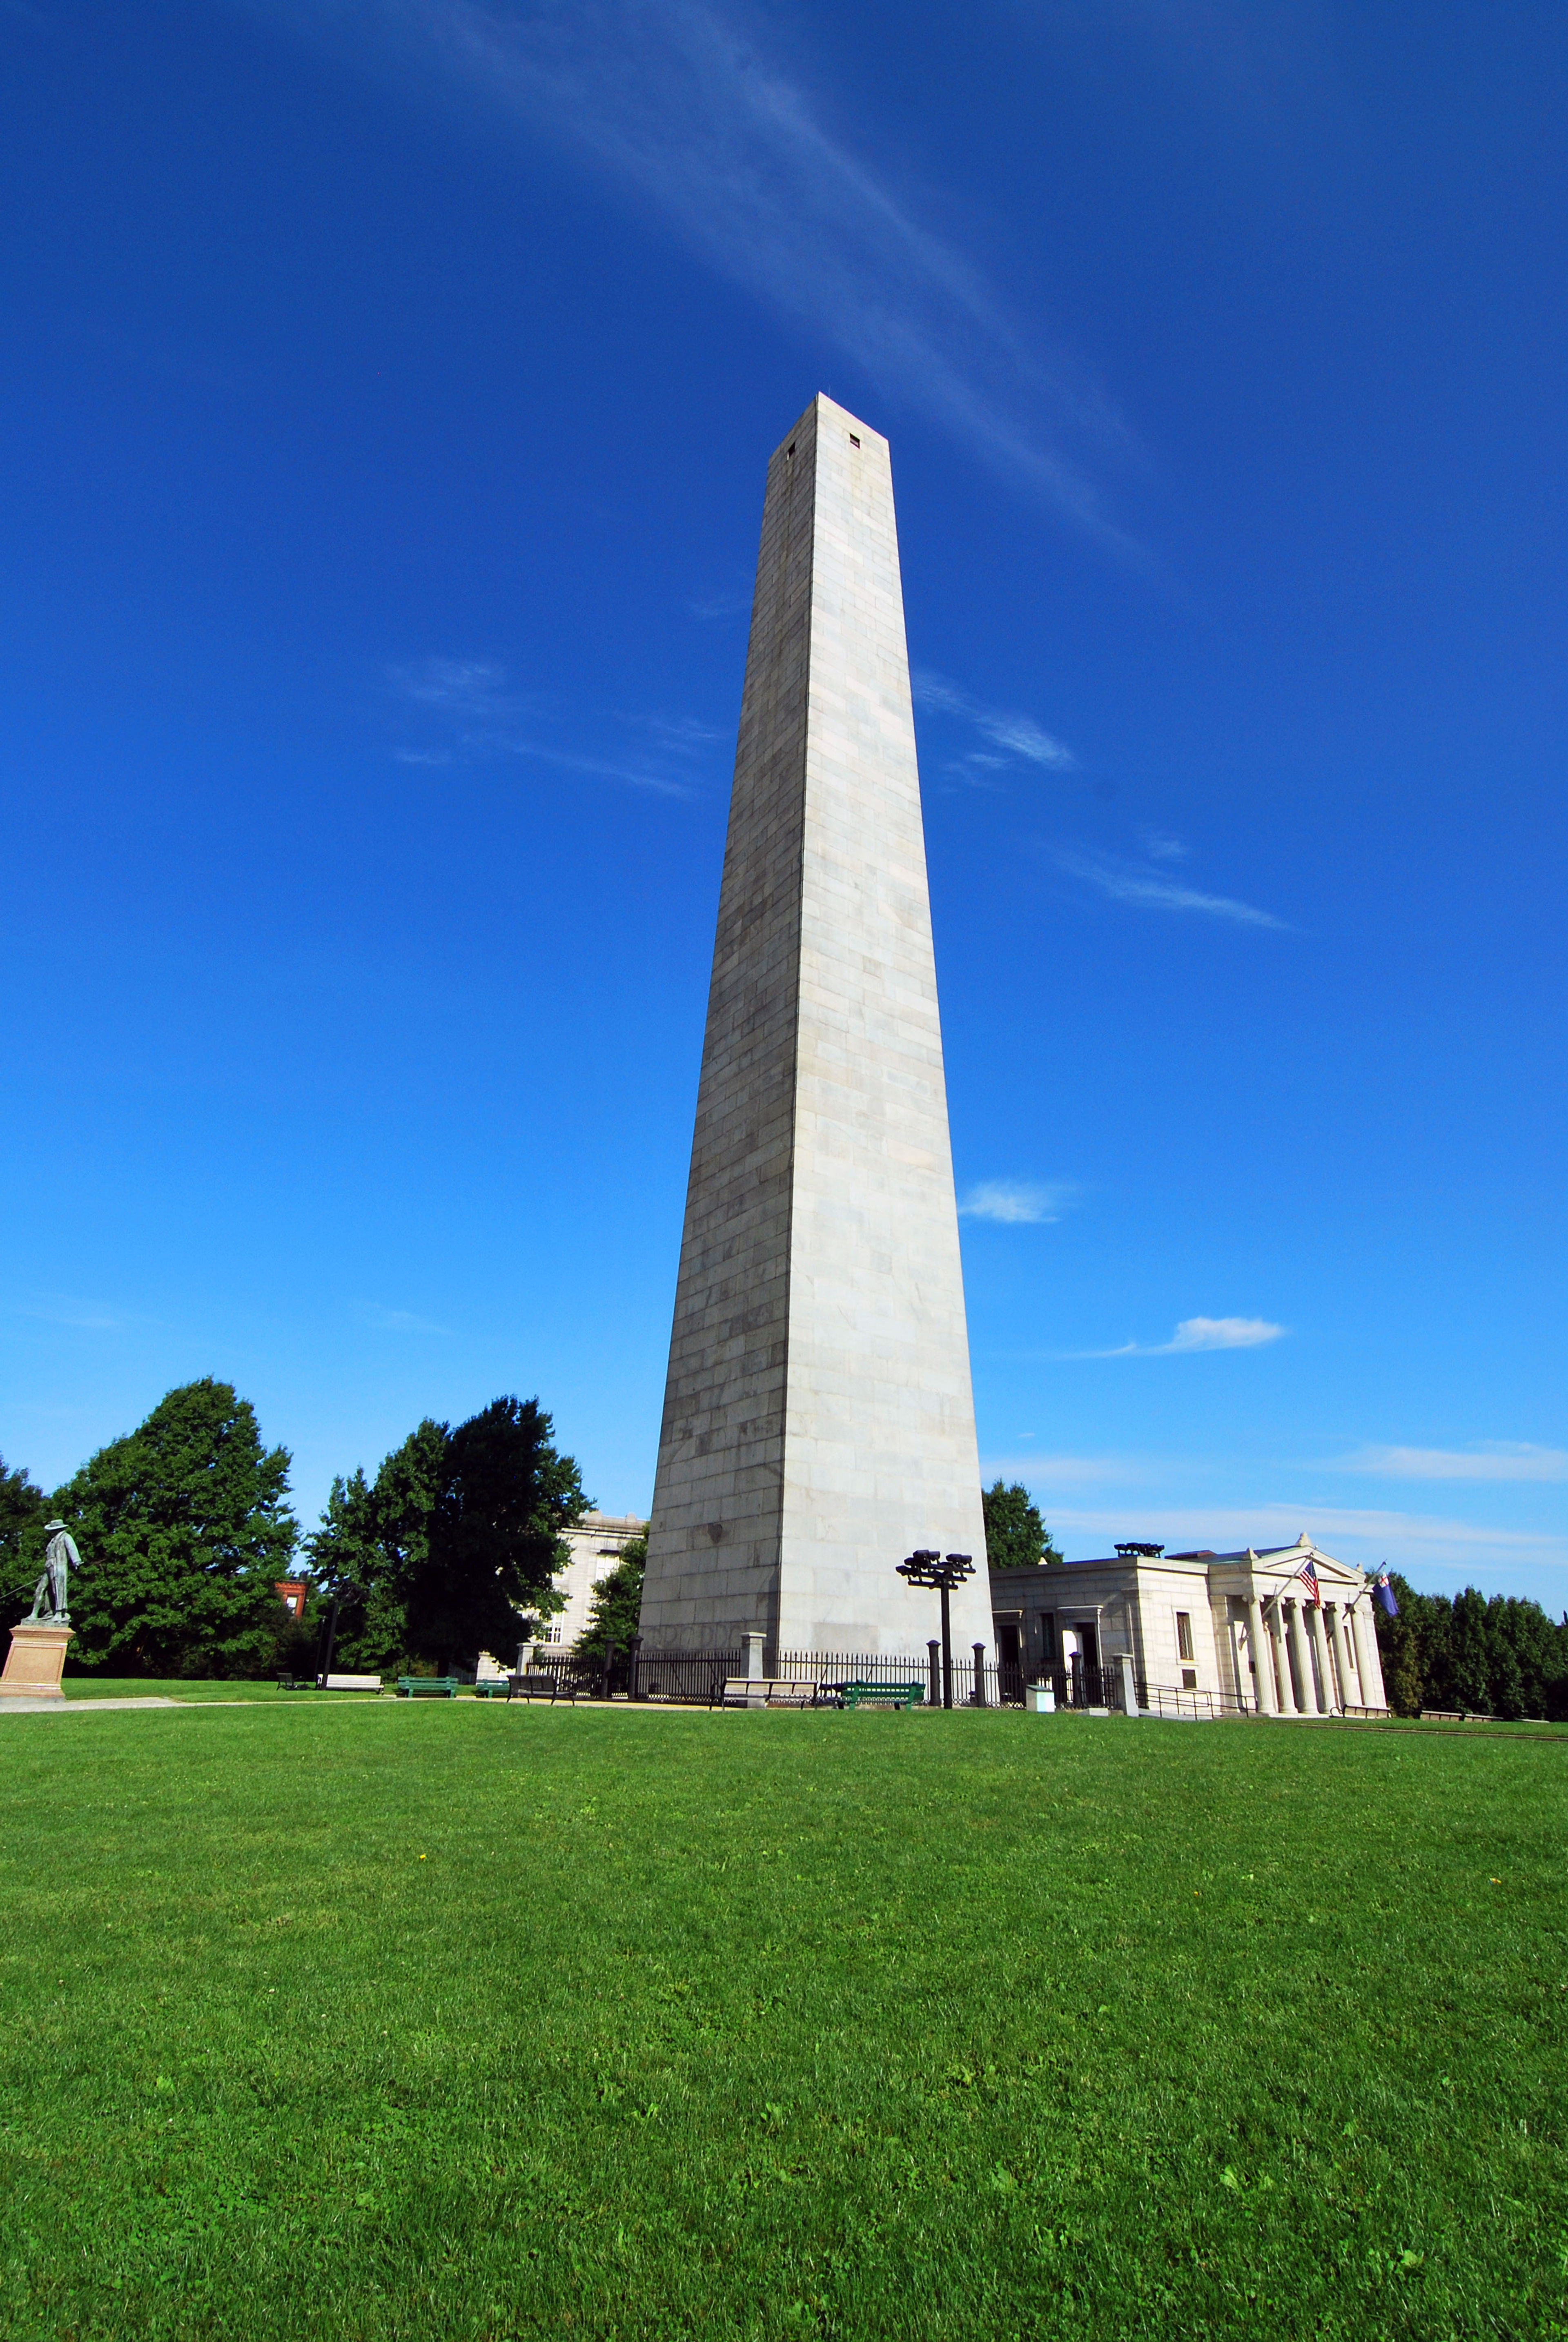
(328, 1645)
(943, 1572)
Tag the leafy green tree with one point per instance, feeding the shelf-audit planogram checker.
(184, 1530)
(378, 1538)
(1505, 1657)
(23, 1513)
(1506, 1685)
(617, 1603)
(1404, 1649)
(1470, 1672)
(1015, 1535)
(1402, 1680)
(495, 1537)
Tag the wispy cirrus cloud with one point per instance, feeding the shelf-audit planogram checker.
(400, 1321)
(1161, 847)
(1497, 1459)
(1012, 1203)
(472, 689)
(1012, 737)
(687, 109)
(730, 602)
(1055, 1473)
(1129, 882)
(1425, 1546)
(80, 1316)
(482, 717)
(1197, 1333)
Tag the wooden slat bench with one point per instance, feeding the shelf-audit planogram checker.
(353, 1683)
(428, 1686)
(766, 1691)
(543, 1685)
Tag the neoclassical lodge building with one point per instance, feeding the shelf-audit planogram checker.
(1240, 1630)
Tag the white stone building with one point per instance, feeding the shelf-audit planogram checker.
(597, 1543)
(1239, 1631)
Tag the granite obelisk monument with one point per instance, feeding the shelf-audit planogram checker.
(818, 1420)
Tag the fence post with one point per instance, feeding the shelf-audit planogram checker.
(609, 1663)
(1129, 1685)
(634, 1649)
(753, 1657)
(979, 1692)
(934, 1656)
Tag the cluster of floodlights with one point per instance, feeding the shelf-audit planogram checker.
(943, 1571)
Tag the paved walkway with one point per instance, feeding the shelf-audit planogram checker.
(13, 1705)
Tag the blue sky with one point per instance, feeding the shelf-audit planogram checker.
(386, 389)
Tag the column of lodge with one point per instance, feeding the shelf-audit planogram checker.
(1300, 1664)
(1368, 1665)
(1342, 1656)
(1328, 1705)
(1241, 1659)
(1280, 1657)
(1263, 1691)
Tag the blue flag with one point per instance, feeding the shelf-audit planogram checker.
(1382, 1594)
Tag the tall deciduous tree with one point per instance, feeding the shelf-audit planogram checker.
(495, 1539)
(1502, 1656)
(23, 1513)
(1015, 1535)
(617, 1608)
(377, 1536)
(453, 1547)
(184, 1530)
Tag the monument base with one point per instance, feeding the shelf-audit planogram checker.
(36, 1660)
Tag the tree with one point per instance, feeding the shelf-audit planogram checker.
(185, 1531)
(1015, 1535)
(1504, 1655)
(1402, 1643)
(617, 1604)
(495, 1539)
(23, 1513)
(378, 1538)
(1470, 1672)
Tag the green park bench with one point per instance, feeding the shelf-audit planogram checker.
(864, 1695)
(493, 1688)
(429, 1687)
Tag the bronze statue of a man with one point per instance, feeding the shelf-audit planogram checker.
(60, 1558)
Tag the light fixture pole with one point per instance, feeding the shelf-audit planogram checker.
(943, 1572)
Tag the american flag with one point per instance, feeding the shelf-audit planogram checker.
(1309, 1577)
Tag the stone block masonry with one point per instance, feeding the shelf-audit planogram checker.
(818, 1419)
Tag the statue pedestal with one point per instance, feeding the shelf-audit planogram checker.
(36, 1661)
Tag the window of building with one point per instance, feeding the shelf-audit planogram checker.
(1189, 1679)
(1183, 1634)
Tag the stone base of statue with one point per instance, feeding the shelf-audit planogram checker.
(36, 1659)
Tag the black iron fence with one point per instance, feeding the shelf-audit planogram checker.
(689, 1678)
(697, 1679)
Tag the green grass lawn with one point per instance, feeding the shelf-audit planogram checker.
(410, 2020)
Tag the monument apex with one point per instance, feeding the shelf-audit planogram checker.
(818, 1420)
